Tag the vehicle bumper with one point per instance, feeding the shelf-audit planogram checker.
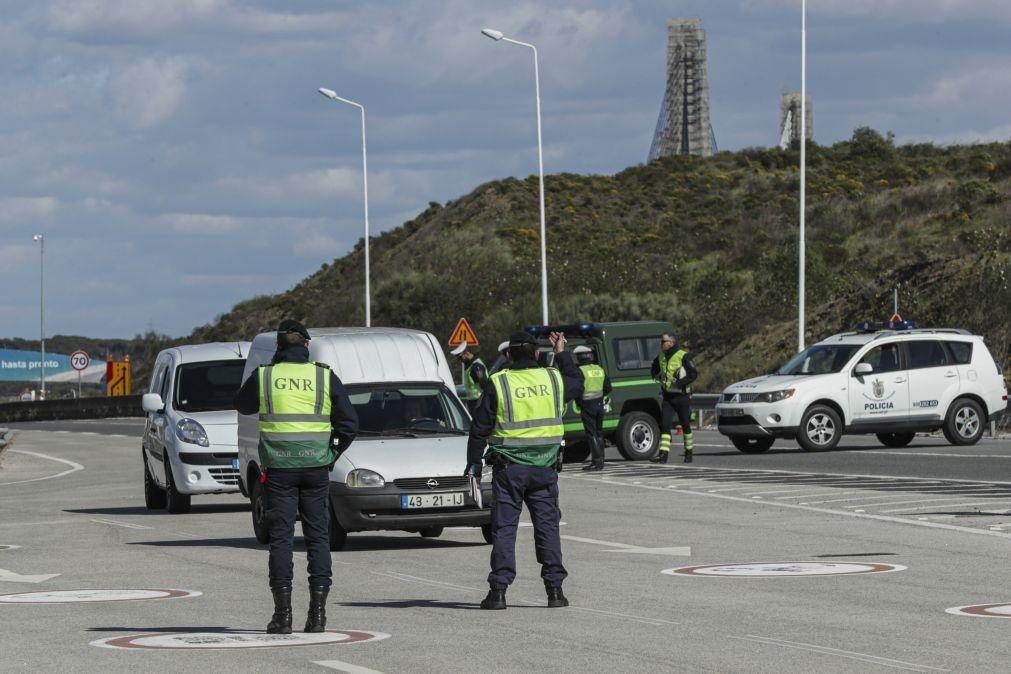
(771, 420)
(379, 509)
(207, 472)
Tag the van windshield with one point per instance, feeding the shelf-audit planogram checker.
(407, 410)
(209, 386)
(819, 359)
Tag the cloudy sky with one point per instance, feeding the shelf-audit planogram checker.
(178, 159)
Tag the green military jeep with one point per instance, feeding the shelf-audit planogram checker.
(625, 350)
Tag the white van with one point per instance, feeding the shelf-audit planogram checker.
(405, 469)
(189, 444)
(888, 379)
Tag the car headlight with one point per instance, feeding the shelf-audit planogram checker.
(774, 396)
(189, 430)
(363, 478)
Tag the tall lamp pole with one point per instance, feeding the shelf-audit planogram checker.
(42, 313)
(332, 95)
(499, 37)
(803, 174)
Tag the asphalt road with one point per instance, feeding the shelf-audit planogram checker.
(73, 503)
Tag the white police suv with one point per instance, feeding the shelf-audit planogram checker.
(890, 379)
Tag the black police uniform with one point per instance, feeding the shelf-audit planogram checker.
(676, 401)
(591, 413)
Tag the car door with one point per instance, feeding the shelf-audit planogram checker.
(157, 422)
(933, 379)
(881, 398)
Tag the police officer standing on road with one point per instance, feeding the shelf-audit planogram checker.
(674, 369)
(475, 375)
(596, 385)
(303, 407)
(520, 416)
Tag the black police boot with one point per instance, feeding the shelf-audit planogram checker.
(316, 620)
(556, 599)
(688, 456)
(280, 622)
(594, 465)
(495, 601)
(661, 457)
(597, 454)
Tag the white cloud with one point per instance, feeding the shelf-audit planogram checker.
(149, 92)
(128, 17)
(200, 223)
(969, 88)
(927, 11)
(23, 210)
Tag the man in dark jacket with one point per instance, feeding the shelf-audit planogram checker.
(674, 369)
(303, 408)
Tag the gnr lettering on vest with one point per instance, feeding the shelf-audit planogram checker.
(293, 384)
(527, 391)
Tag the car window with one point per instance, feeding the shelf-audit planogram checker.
(962, 352)
(883, 358)
(208, 386)
(926, 353)
(157, 379)
(390, 408)
(636, 353)
(819, 359)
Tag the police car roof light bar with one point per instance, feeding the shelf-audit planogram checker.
(871, 326)
(573, 330)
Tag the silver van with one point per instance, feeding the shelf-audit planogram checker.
(405, 469)
(189, 444)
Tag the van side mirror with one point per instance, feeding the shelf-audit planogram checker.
(861, 369)
(152, 402)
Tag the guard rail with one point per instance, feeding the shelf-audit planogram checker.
(71, 408)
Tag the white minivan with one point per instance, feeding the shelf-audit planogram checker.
(892, 380)
(405, 469)
(189, 444)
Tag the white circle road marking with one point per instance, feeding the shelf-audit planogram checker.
(74, 467)
(783, 569)
(174, 641)
(93, 595)
(982, 610)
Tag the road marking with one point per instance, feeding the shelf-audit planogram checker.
(821, 493)
(938, 505)
(36, 524)
(117, 523)
(683, 551)
(951, 456)
(594, 541)
(919, 500)
(851, 655)
(345, 667)
(74, 467)
(11, 577)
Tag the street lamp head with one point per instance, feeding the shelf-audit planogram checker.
(329, 93)
(37, 237)
(493, 34)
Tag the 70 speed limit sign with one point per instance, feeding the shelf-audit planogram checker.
(79, 360)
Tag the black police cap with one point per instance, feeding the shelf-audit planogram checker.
(521, 337)
(291, 325)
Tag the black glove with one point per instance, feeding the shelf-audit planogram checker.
(559, 460)
(473, 469)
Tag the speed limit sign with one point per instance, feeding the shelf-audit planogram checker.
(79, 360)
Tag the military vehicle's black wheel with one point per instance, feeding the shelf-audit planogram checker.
(154, 496)
(896, 439)
(257, 501)
(638, 436)
(752, 445)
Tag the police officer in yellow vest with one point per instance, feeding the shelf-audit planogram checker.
(475, 375)
(303, 408)
(596, 387)
(520, 417)
(674, 369)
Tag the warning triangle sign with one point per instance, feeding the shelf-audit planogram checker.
(463, 333)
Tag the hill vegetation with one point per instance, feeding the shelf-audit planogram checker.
(707, 243)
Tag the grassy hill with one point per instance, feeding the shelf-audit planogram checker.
(707, 243)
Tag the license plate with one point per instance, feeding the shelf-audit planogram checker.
(448, 500)
(235, 464)
(731, 412)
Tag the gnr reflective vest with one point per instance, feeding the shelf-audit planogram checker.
(593, 381)
(670, 370)
(295, 415)
(528, 419)
(471, 389)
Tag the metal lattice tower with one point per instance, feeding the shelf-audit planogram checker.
(683, 126)
(789, 119)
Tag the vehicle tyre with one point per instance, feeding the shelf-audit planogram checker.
(339, 535)
(431, 532)
(486, 533)
(964, 423)
(638, 436)
(751, 444)
(257, 502)
(177, 503)
(896, 439)
(154, 496)
(820, 429)
(576, 451)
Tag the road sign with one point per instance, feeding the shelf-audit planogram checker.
(117, 380)
(463, 333)
(896, 318)
(79, 360)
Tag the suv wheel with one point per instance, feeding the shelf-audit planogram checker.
(896, 439)
(964, 423)
(154, 496)
(752, 445)
(257, 501)
(177, 502)
(339, 535)
(820, 429)
(638, 436)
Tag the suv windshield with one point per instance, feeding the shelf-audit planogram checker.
(208, 386)
(819, 359)
(407, 409)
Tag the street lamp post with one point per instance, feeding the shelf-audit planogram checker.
(42, 313)
(332, 95)
(499, 37)
(803, 175)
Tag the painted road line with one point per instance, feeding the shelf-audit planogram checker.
(950, 456)
(682, 551)
(38, 524)
(345, 667)
(117, 523)
(11, 577)
(850, 655)
(74, 467)
(594, 541)
(919, 500)
(938, 505)
(821, 493)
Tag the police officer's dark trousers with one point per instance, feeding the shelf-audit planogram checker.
(591, 412)
(680, 405)
(513, 485)
(292, 491)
